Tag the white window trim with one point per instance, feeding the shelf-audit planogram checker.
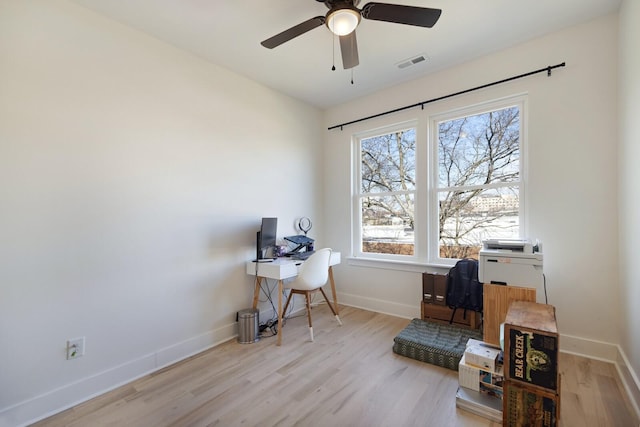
(426, 253)
(356, 193)
(433, 231)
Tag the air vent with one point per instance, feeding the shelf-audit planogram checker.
(412, 61)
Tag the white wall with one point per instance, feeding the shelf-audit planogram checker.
(629, 190)
(132, 181)
(133, 177)
(571, 191)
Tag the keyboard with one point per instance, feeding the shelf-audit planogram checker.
(302, 255)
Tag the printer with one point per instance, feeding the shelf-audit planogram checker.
(515, 262)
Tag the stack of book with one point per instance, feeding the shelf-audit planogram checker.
(481, 380)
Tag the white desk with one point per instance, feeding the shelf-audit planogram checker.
(280, 269)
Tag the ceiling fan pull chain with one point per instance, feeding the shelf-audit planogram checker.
(333, 54)
(352, 76)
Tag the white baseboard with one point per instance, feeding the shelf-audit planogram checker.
(609, 353)
(629, 380)
(72, 394)
(589, 348)
(69, 395)
(592, 349)
(405, 311)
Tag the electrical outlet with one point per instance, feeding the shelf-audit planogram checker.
(75, 348)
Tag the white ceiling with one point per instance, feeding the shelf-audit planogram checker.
(229, 32)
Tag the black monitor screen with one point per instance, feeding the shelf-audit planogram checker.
(268, 232)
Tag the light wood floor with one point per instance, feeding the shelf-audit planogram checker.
(348, 377)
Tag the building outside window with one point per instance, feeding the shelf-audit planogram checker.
(476, 187)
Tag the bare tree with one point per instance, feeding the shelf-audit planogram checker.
(478, 179)
(478, 157)
(388, 169)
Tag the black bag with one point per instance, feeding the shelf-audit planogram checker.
(463, 288)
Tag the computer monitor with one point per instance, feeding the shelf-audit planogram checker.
(266, 238)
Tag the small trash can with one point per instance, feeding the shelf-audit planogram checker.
(248, 326)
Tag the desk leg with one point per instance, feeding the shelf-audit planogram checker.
(280, 290)
(256, 292)
(333, 289)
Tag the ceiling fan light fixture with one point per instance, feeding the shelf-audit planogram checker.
(343, 21)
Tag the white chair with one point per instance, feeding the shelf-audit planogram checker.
(313, 275)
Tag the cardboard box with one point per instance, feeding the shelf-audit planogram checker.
(531, 345)
(532, 357)
(527, 406)
(482, 356)
(481, 380)
(474, 342)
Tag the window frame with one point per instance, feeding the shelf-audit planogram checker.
(426, 227)
(433, 227)
(357, 194)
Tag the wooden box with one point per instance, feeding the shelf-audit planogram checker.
(434, 288)
(527, 406)
(531, 345)
(496, 302)
(442, 314)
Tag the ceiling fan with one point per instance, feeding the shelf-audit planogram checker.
(344, 16)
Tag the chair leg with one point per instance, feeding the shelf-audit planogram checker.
(333, 310)
(286, 305)
(308, 299)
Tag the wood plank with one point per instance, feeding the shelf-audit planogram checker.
(348, 376)
(496, 301)
(532, 315)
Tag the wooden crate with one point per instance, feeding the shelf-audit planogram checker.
(496, 301)
(531, 345)
(528, 406)
(442, 314)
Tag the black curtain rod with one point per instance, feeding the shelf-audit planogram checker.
(421, 104)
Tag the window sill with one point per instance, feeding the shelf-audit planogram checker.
(410, 266)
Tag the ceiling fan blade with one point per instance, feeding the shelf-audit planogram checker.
(400, 14)
(293, 32)
(349, 49)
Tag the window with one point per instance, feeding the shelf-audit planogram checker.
(386, 192)
(438, 208)
(477, 181)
